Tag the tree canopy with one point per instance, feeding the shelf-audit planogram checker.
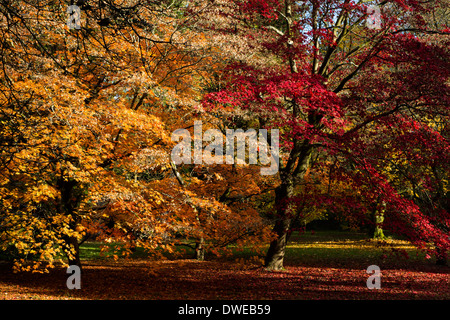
(87, 117)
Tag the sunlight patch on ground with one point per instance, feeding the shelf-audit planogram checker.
(355, 244)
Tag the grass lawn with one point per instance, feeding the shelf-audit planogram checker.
(349, 247)
(321, 265)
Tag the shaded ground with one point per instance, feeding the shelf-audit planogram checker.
(314, 270)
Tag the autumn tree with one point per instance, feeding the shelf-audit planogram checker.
(336, 85)
(79, 110)
(86, 120)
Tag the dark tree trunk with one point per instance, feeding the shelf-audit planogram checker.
(441, 259)
(70, 200)
(295, 170)
(275, 254)
(73, 247)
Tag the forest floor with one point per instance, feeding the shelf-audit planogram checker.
(317, 266)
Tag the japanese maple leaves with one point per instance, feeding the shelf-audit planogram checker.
(272, 92)
(342, 92)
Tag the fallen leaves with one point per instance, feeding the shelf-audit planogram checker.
(334, 274)
(191, 279)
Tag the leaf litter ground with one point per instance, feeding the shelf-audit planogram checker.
(313, 270)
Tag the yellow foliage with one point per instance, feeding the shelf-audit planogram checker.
(92, 140)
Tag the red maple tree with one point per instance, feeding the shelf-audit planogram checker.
(337, 88)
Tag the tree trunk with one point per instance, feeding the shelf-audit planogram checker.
(275, 254)
(295, 170)
(200, 250)
(72, 249)
(378, 219)
(441, 258)
(70, 200)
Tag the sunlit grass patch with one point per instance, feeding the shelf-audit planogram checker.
(355, 244)
(345, 247)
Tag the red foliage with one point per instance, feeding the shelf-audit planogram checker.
(380, 107)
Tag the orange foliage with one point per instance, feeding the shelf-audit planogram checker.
(86, 120)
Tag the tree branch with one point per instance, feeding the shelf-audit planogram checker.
(278, 31)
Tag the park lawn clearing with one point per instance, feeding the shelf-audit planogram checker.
(316, 267)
